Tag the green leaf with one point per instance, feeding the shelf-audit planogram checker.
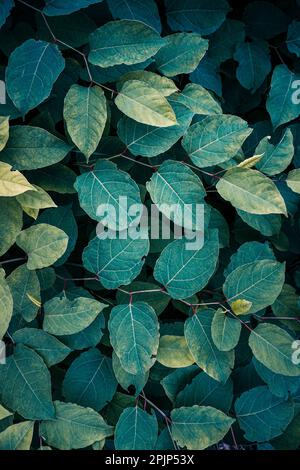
(163, 85)
(145, 11)
(262, 415)
(74, 427)
(201, 16)
(12, 182)
(116, 262)
(280, 104)
(149, 141)
(240, 306)
(145, 104)
(37, 199)
(254, 64)
(90, 380)
(266, 224)
(32, 70)
(181, 53)
(4, 413)
(259, 282)
(6, 304)
(11, 223)
(123, 42)
(88, 337)
(197, 330)
(24, 285)
(248, 253)
(198, 427)
(173, 352)
(293, 180)
(66, 317)
(43, 243)
(272, 346)
(22, 391)
(225, 40)
(293, 38)
(125, 379)
(4, 131)
(166, 191)
(17, 437)
(57, 178)
(47, 346)
(5, 9)
(29, 148)
(101, 188)
(177, 268)
(278, 384)
(225, 331)
(287, 305)
(199, 100)
(205, 391)
(276, 158)
(65, 7)
(134, 336)
(90, 104)
(215, 139)
(251, 191)
(136, 430)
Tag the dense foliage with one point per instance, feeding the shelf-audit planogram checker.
(139, 343)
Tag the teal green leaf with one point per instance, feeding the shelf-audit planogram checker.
(293, 38)
(261, 415)
(278, 384)
(145, 104)
(32, 70)
(248, 253)
(197, 330)
(24, 285)
(173, 352)
(43, 243)
(287, 304)
(198, 427)
(166, 188)
(272, 346)
(46, 345)
(199, 100)
(254, 64)
(74, 427)
(90, 381)
(35, 200)
(225, 40)
(259, 282)
(275, 158)
(145, 11)
(4, 413)
(136, 430)
(29, 148)
(26, 393)
(134, 336)
(17, 437)
(66, 317)
(251, 191)
(149, 141)
(126, 379)
(116, 262)
(57, 178)
(177, 268)
(5, 9)
(280, 105)
(102, 187)
(88, 337)
(266, 224)
(123, 42)
(85, 115)
(11, 223)
(201, 16)
(6, 304)
(215, 139)
(225, 331)
(177, 380)
(65, 7)
(181, 53)
(205, 391)
(293, 180)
